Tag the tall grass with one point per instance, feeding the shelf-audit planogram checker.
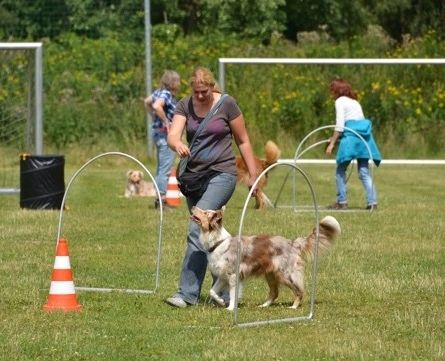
(379, 296)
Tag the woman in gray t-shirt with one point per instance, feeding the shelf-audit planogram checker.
(212, 155)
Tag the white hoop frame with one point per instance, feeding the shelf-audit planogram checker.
(310, 315)
(158, 256)
(299, 153)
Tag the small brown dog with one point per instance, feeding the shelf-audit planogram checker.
(137, 187)
(272, 153)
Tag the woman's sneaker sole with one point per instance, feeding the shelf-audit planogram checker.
(176, 302)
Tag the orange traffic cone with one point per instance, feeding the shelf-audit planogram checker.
(62, 295)
(173, 193)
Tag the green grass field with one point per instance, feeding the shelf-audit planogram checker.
(380, 291)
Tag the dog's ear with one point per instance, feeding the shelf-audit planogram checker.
(216, 218)
(141, 174)
(195, 219)
(196, 214)
(129, 172)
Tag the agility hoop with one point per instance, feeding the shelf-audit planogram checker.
(310, 314)
(158, 252)
(300, 151)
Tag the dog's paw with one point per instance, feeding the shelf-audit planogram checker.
(266, 304)
(295, 305)
(217, 299)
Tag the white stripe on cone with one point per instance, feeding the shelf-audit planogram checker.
(172, 180)
(62, 262)
(62, 288)
(172, 194)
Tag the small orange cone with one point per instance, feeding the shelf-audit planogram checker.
(173, 196)
(62, 295)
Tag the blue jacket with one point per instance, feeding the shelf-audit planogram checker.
(352, 147)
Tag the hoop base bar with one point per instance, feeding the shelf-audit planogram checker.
(122, 290)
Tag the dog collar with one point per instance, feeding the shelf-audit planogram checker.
(215, 246)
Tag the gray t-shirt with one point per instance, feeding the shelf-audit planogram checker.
(213, 147)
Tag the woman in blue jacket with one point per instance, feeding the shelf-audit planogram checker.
(354, 133)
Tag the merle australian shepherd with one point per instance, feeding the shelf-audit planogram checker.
(277, 259)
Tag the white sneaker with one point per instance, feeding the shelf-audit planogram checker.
(176, 301)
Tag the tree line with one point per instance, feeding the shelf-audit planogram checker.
(339, 19)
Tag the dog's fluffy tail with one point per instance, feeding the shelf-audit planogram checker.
(329, 230)
(272, 153)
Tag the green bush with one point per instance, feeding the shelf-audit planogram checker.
(94, 87)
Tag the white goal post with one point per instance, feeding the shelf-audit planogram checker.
(38, 88)
(32, 136)
(334, 61)
(319, 61)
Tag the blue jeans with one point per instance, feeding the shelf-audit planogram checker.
(365, 178)
(218, 193)
(165, 160)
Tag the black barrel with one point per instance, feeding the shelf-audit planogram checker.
(42, 183)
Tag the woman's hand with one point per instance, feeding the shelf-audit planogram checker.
(182, 150)
(329, 149)
(250, 183)
(332, 141)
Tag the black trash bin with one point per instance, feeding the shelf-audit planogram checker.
(42, 183)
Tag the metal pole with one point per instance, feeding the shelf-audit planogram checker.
(221, 75)
(39, 99)
(148, 71)
(345, 61)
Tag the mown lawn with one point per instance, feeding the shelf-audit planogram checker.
(380, 291)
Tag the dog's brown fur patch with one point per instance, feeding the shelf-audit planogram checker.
(272, 154)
